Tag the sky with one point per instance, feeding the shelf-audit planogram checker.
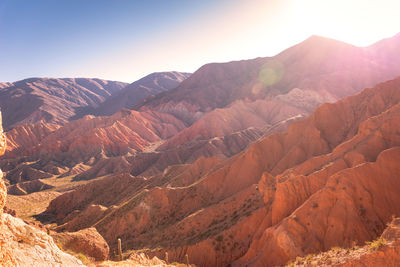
(125, 40)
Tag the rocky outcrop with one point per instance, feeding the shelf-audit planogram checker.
(88, 242)
(137, 259)
(384, 251)
(5, 257)
(322, 222)
(20, 243)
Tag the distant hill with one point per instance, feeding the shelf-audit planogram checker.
(136, 92)
(330, 68)
(51, 100)
(220, 109)
(219, 99)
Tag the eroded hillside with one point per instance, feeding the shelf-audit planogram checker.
(329, 181)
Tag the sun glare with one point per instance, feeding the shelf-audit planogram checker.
(357, 22)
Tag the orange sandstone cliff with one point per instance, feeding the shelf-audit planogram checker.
(330, 180)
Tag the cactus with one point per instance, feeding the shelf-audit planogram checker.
(187, 259)
(119, 249)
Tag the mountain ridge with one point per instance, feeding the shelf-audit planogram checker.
(134, 93)
(50, 99)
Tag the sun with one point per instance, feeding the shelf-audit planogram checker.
(357, 22)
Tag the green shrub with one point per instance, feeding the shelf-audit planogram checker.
(377, 244)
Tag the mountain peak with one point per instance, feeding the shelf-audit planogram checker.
(137, 91)
(317, 39)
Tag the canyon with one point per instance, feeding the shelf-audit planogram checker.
(268, 198)
(248, 163)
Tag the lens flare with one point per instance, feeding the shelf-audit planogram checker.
(257, 88)
(271, 72)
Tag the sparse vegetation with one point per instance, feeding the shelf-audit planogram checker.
(219, 238)
(377, 244)
(362, 211)
(337, 255)
(83, 258)
(177, 264)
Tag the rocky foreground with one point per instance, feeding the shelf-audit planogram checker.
(22, 244)
(384, 251)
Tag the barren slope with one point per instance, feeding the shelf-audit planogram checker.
(83, 142)
(136, 92)
(325, 66)
(330, 180)
(52, 100)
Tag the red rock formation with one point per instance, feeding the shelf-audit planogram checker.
(318, 64)
(150, 163)
(234, 96)
(125, 131)
(255, 207)
(260, 114)
(320, 184)
(353, 205)
(96, 154)
(20, 243)
(86, 141)
(88, 242)
(5, 257)
(315, 71)
(384, 251)
(28, 135)
(136, 259)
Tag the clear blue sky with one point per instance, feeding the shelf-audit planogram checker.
(127, 39)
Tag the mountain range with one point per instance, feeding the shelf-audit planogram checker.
(245, 163)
